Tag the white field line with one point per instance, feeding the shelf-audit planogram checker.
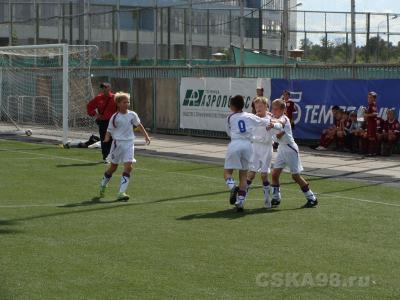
(361, 200)
(194, 175)
(29, 158)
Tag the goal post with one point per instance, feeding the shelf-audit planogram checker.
(46, 88)
(65, 93)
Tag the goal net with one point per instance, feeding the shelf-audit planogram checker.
(44, 90)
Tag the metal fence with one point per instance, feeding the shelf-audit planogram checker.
(309, 71)
(130, 32)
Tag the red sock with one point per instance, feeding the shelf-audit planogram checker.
(371, 147)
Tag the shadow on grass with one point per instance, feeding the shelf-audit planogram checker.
(93, 205)
(230, 214)
(7, 229)
(81, 165)
(93, 201)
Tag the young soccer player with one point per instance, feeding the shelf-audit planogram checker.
(371, 116)
(120, 129)
(342, 130)
(260, 161)
(240, 126)
(290, 107)
(288, 155)
(328, 134)
(391, 132)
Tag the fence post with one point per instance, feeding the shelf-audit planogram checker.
(241, 38)
(169, 31)
(11, 29)
(71, 25)
(154, 104)
(37, 24)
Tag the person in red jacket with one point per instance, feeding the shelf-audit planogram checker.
(102, 107)
(290, 107)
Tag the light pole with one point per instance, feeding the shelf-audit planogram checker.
(288, 23)
(190, 32)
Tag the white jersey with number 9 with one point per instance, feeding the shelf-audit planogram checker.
(241, 125)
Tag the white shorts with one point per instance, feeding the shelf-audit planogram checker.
(288, 156)
(261, 158)
(122, 152)
(238, 155)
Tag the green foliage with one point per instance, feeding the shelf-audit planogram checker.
(338, 51)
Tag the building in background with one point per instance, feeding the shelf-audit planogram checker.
(131, 32)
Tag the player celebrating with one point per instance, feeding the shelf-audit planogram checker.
(288, 155)
(262, 150)
(240, 126)
(122, 149)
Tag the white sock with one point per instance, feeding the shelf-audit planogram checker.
(266, 189)
(230, 182)
(106, 179)
(124, 182)
(241, 198)
(308, 194)
(276, 192)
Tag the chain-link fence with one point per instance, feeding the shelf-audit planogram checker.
(129, 34)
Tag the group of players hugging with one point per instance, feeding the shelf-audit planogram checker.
(250, 150)
(371, 136)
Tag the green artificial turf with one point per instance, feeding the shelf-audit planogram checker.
(178, 238)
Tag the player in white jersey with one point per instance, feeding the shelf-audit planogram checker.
(120, 129)
(240, 126)
(288, 156)
(262, 150)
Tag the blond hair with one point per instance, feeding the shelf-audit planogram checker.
(279, 103)
(261, 99)
(121, 96)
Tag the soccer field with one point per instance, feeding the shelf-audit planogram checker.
(178, 237)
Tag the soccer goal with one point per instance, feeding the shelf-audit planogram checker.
(44, 90)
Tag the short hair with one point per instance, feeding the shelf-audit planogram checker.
(341, 110)
(279, 103)
(105, 85)
(335, 107)
(121, 96)
(373, 94)
(286, 92)
(237, 102)
(261, 99)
